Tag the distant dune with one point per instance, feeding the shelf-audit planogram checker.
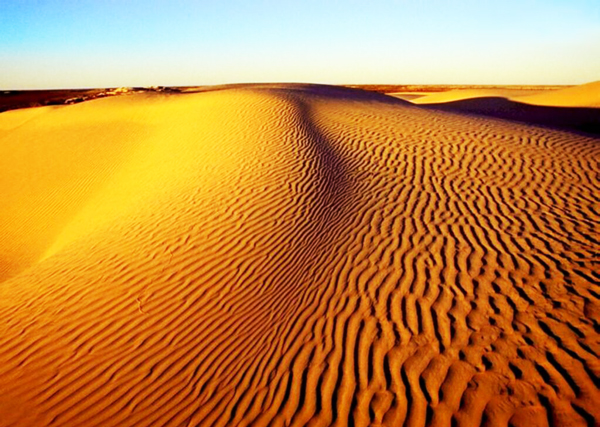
(574, 108)
(462, 94)
(291, 255)
(587, 95)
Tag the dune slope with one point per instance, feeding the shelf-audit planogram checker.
(586, 95)
(295, 255)
(579, 119)
(574, 108)
(462, 94)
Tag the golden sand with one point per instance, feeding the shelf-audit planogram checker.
(462, 94)
(295, 255)
(587, 95)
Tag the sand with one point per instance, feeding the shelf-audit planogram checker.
(587, 95)
(295, 255)
(572, 108)
(461, 94)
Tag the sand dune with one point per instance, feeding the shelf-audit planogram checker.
(572, 118)
(584, 96)
(587, 95)
(295, 255)
(461, 94)
(573, 108)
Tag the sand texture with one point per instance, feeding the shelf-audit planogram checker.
(293, 255)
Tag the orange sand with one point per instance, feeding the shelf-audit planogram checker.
(295, 255)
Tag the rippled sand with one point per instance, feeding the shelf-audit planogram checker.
(295, 255)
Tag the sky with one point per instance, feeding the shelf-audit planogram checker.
(111, 43)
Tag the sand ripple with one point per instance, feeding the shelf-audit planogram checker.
(295, 255)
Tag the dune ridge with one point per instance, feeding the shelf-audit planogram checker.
(295, 255)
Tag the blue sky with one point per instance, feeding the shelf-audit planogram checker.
(68, 43)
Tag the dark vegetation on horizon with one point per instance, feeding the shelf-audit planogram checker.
(15, 99)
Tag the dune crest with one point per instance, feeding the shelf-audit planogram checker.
(295, 255)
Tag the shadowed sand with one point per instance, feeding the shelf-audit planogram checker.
(295, 255)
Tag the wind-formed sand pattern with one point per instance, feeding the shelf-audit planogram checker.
(291, 255)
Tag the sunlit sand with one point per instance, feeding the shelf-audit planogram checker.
(291, 255)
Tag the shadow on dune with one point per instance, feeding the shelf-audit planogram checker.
(573, 118)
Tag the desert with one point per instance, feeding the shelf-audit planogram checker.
(300, 254)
